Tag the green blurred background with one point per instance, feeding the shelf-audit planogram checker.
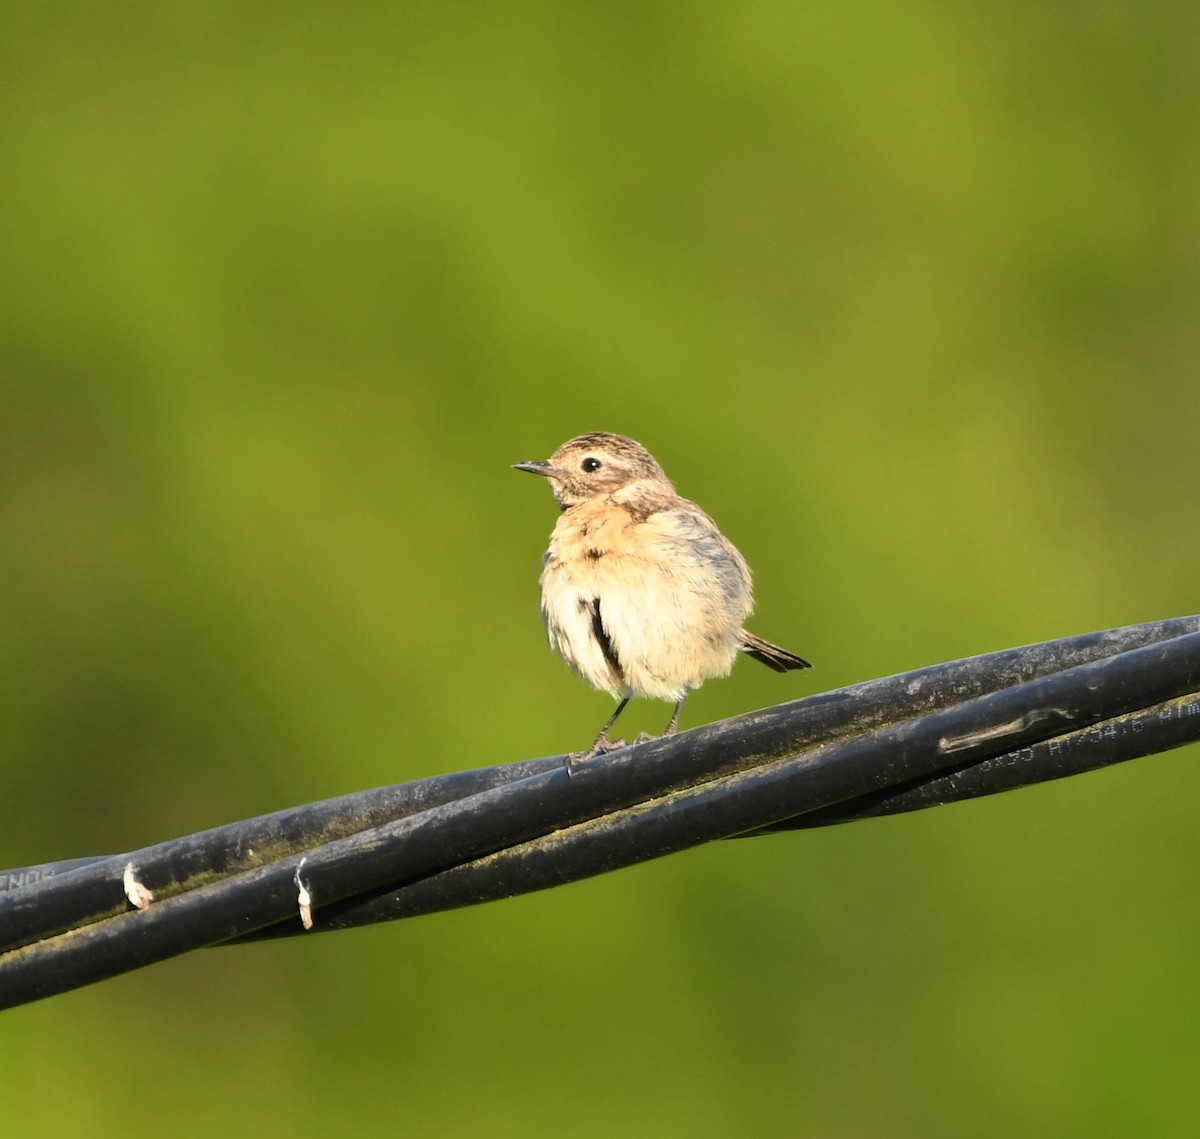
(906, 298)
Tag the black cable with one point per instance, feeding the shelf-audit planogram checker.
(966, 728)
(816, 782)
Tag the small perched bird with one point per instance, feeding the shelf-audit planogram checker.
(641, 593)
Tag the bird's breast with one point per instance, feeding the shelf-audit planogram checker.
(669, 604)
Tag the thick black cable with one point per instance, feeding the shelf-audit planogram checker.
(732, 807)
(540, 825)
(48, 903)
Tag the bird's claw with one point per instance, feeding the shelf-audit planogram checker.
(601, 747)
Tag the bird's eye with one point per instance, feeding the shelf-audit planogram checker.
(591, 464)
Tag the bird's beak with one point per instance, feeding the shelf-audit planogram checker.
(541, 467)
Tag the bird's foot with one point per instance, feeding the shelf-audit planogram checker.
(602, 746)
(644, 738)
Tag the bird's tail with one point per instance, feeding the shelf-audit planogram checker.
(770, 655)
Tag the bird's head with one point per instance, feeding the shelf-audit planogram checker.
(599, 464)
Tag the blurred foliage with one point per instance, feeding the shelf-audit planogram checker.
(907, 297)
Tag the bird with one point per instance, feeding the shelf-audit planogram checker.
(641, 593)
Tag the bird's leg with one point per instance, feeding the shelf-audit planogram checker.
(602, 744)
(671, 727)
(673, 723)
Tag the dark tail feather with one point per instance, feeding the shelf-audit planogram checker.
(770, 655)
